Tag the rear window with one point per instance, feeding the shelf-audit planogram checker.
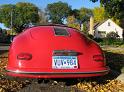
(60, 31)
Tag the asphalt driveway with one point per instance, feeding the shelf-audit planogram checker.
(4, 47)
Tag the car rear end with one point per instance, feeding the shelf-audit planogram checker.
(55, 52)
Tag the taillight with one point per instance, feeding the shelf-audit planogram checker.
(24, 56)
(98, 58)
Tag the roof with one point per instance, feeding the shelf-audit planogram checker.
(100, 23)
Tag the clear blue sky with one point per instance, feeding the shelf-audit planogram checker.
(76, 4)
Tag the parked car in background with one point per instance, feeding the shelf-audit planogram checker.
(55, 51)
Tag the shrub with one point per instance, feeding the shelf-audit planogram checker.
(98, 40)
(108, 41)
(4, 38)
(112, 35)
(90, 36)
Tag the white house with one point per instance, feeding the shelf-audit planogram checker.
(102, 29)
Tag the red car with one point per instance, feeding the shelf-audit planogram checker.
(55, 51)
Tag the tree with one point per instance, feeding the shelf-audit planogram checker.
(15, 16)
(0, 30)
(42, 17)
(99, 14)
(75, 13)
(114, 8)
(72, 22)
(5, 14)
(85, 14)
(71, 19)
(85, 28)
(58, 12)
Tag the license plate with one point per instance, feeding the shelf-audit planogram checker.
(64, 62)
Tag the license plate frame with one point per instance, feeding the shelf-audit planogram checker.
(64, 62)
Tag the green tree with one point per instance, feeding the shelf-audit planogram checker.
(99, 14)
(5, 14)
(72, 22)
(85, 29)
(85, 14)
(75, 13)
(15, 16)
(113, 8)
(58, 12)
(0, 30)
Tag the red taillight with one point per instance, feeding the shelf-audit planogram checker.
(24, 56)
(98, 58)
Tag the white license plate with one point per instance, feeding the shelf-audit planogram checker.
(64, 62)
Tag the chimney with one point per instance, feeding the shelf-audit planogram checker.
(91, 32)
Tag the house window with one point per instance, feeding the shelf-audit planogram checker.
(109, 24)
(102, 34)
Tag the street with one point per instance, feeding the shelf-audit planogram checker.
(4, 47)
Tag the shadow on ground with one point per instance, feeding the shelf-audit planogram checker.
(115, 61)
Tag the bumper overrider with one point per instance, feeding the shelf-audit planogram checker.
(57, 74)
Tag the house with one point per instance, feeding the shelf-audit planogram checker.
(101, 30)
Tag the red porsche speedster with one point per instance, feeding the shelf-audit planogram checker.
(55, 51)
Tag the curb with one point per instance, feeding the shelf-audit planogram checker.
(121, 78)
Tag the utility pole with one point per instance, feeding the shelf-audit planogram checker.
(11, 21)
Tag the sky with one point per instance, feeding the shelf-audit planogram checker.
(75, 4)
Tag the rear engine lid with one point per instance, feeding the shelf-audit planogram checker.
(42, 32)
